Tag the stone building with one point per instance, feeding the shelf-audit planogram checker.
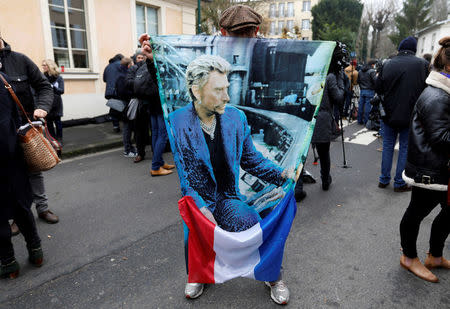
(288, 14)
(82, 35)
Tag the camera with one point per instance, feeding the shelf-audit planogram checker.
(377, 101)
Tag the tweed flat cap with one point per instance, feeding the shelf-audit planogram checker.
(239, 16)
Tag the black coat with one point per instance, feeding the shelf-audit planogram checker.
(24, 74)
(57, 83)
(14, 182)
(401, 81)
(367, 78)
(153, 98)
(429, 134)
(110, 75)
(333, 94)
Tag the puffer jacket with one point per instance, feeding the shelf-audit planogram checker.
(24, 75)
(428, 158)
(333, 94)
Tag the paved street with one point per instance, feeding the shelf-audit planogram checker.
(119, 242)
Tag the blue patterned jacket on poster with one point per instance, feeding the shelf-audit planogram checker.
(193, 158)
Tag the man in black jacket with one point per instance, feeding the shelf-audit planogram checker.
(24, 75)
(366, 81)
(145, 88)
(401, 81)
(142, 120)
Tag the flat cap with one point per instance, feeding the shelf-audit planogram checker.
(239, 16)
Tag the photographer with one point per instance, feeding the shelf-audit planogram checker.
(333, 95)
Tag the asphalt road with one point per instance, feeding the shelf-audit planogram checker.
(119, 243)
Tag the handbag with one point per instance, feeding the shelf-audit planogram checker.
(132, 109)
(116, 104)
(38, 151)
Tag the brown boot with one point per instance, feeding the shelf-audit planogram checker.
(14, 229)
(430, 262)
(418, 269)
(48, 217)
(161, 172)
(168, 166)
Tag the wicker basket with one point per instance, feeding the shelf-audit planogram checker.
(38, 152)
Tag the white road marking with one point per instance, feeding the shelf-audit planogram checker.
(361, 137)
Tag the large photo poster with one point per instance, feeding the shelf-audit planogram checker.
(240, 115)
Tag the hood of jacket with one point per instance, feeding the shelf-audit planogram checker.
(438, 80)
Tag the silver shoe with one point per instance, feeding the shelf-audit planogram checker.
(279, 292)
(193, 290)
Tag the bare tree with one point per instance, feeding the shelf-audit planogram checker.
(439, 10)
(379, 13)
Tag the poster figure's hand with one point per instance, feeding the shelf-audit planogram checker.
(273, 195)
(39, 113)
(297, 173)
(147, 50)
(288, 174)
(208, 214)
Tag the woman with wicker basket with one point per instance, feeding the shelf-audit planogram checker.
(15, 191)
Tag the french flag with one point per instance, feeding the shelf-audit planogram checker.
(215, 255)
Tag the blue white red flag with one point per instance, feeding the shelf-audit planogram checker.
(215, 255)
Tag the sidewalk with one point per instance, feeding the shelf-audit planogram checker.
(89, 138)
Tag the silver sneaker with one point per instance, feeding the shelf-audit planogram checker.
(193, 290)
(279, 292)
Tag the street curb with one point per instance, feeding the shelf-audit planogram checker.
(90, 149)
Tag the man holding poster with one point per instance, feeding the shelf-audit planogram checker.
(211, 141)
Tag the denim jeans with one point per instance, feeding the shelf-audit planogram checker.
(234, 215)
(126, 136)
(389, 139)
(55, 123)
(364, 105)
(159, 140)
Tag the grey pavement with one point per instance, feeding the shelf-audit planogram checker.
(119, 243)
(89, 138)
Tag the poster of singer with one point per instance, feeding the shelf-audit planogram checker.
(240, 115)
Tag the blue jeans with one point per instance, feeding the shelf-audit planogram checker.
(364, 105)
(126, 136)
(389, 139)
(233, 215)
(159, 140)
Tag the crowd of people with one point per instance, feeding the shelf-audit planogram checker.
(414, 107)
(132, 82)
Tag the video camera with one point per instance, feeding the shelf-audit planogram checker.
(377, 101)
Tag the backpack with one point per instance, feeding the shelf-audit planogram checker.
(144, 86)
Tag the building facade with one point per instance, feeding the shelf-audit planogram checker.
(82, 35)
(288, 14)
(428, 38)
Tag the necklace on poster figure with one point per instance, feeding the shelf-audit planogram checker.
(209, 129)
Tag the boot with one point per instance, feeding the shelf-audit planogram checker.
(36, 256)
(418, 269)
(430, 263)
(10, 270)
